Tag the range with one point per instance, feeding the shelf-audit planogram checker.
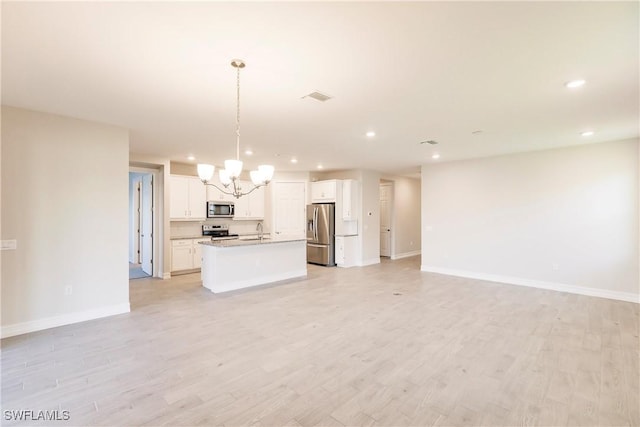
(218, 232)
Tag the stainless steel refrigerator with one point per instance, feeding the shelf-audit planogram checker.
(321, 234)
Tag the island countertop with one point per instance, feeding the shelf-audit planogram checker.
(247, 242)
(228, 265)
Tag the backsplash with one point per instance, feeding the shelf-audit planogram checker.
(194, 228)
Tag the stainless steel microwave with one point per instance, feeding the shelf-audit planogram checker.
(220, 209)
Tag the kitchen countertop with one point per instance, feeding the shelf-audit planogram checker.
(266, 233)
(241, 242)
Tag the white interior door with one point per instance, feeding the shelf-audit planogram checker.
(385, 220)
(289, 212)
(146, 221)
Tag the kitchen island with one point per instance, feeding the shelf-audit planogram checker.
(228, 265)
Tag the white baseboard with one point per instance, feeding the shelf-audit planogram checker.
(61, 320)
(406, 254)
(560, 287)
(166, 276)
(370, 261)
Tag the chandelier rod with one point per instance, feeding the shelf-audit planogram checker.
(238, 113)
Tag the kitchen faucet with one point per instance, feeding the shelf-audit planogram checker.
(260, 230)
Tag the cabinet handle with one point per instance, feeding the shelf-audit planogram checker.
(185, 213)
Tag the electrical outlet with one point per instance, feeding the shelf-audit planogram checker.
(9, 245)
(68, 290)
(411, 243)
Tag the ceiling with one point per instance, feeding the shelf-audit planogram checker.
(408, 71)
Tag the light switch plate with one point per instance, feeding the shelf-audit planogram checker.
(9, 245)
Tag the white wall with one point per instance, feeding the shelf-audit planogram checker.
(370, 193)
(65, 200)
(564, 219)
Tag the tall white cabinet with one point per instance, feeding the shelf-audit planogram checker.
(349, 203)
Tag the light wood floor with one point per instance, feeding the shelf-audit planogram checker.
(380, 345)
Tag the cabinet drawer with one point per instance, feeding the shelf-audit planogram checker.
(181, 242)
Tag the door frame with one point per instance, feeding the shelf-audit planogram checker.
(137, 221)
(392, 224)
(156, 204)
(150, 178)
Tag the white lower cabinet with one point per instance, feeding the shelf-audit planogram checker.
(346, 251)
(197, 252)
(186, 254)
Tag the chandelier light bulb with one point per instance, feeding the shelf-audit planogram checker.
(205, 172)
(224, 177)
(256, 177)
(233, 167)
(267, 172)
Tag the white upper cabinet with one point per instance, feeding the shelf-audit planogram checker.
(349, 199)
(187, 198)
(179, 199)
(323, 191)
(250, 206)
(197, 198)
(215, 195)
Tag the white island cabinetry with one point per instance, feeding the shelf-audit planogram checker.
(236, 264)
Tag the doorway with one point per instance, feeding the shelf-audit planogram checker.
(140, 225)
(289, 209)
(386, 212)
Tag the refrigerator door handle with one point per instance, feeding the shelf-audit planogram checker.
(313, 245)
(315, 223)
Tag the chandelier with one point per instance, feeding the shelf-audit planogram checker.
(233, 168)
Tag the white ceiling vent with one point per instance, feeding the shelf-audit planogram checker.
(318, 96)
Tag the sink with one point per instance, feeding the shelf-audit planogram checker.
(250, 239)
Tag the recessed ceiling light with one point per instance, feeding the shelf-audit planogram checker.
(192, 158)
(587, 133)
(575, 83)
(294, 160)
(320, 166)
(436, 156)
(248, 152)
(371, 134)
